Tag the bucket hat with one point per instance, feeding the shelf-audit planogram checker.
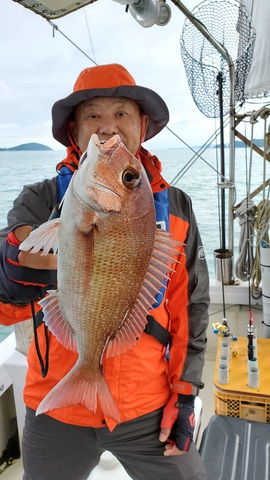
(111, 80)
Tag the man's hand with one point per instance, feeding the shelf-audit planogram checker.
(177, 425)
(21, 233)
(24, 277)
(34, 260)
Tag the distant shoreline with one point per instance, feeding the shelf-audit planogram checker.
(39, 147)
(27, 147)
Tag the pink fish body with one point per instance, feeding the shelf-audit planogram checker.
(112, 261)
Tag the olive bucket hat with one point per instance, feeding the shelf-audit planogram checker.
(110, 80)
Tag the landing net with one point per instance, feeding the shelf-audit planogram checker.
(229, 23)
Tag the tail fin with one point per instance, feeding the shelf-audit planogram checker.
(80, 387)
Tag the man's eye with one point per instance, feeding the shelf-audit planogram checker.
(91, 116)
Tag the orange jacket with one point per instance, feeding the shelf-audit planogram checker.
(142, 379)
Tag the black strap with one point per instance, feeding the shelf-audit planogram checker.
(156, 330)
(37, 321)
(39, 318)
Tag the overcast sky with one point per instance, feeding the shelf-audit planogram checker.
(38, 68)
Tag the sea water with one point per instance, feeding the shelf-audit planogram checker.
(199, 178)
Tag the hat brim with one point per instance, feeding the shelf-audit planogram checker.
(149, 101)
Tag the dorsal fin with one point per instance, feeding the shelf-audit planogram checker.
(163, 254)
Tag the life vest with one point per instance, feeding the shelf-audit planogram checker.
(65, 170)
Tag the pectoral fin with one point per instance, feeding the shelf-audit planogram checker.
(56, 323)
(44, 238)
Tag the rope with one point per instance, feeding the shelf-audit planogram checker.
(261, 228)
(246, 214)
(262, 221)
(198, 154)
(55, 28)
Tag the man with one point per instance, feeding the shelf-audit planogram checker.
(154, 391)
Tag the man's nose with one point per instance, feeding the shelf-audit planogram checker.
(108, 128)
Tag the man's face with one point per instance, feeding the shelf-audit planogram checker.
(107, 117)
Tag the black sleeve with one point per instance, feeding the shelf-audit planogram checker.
(19, 284)
(34, 204)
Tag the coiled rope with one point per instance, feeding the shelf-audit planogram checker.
(261, 232)
(246, 214)
(254, 221)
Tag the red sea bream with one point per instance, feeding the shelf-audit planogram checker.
(112, 261)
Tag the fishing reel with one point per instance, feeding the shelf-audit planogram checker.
(223, 330)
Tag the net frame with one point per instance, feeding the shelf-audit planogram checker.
(229, 23)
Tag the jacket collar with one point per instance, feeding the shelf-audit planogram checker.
(150, 162)
(153, 168)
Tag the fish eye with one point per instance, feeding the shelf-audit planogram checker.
(130, 177)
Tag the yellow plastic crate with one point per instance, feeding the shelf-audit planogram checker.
(242, 406)
(236, 398)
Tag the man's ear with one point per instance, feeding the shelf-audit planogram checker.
(144, 125)
(73, 129)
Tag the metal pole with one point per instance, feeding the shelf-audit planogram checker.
(232, 161)
(222, 162)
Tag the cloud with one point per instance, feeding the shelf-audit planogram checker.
(39, 66)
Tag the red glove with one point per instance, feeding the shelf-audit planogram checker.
(179, 421)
